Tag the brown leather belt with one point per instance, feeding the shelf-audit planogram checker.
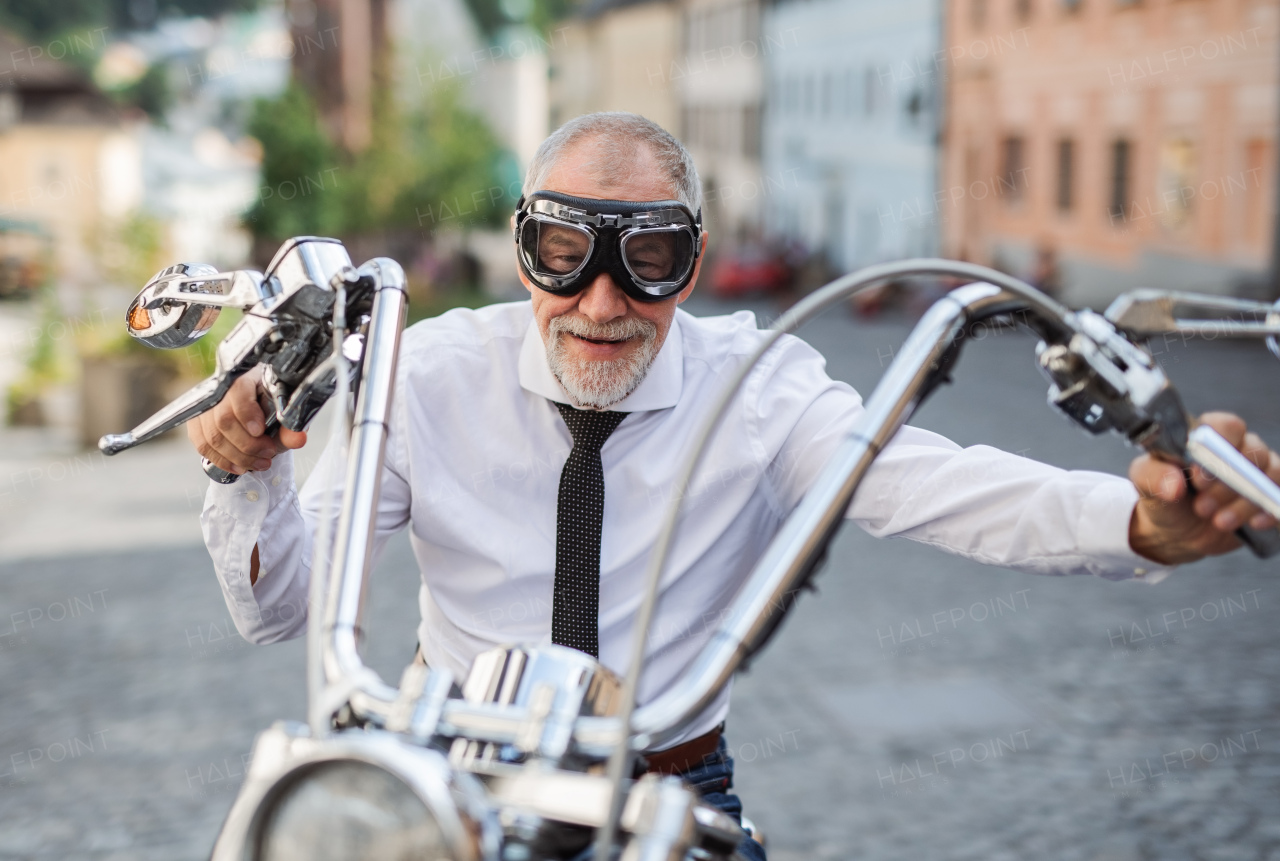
(683, 757)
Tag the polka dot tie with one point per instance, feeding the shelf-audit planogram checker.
(575, 605)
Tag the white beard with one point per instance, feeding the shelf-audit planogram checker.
(599, 384)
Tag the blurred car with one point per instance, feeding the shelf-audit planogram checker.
(749, 269)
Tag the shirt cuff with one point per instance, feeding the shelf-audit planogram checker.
(1104, 534)
(249, 498)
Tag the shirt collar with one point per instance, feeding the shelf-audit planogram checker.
(659, 390)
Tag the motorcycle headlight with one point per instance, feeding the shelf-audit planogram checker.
(348, 810)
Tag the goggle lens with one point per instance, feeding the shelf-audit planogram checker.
(659, 256)
(553, 249)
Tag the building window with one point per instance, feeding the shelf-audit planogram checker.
(1022, 10)
(1013, 166)
(978, 14)
(1177, 181)
(828, 97)
(914, 107)
(1066, 174)
(1121, 168)
(751, 131)
(1257, 184)
(693, 32)
(869, 85)
(751, 23)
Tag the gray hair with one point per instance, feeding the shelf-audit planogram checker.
(619, 135)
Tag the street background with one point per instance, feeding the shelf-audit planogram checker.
(919, 706)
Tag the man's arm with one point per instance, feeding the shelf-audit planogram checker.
(258, 530)
(260, 544)
(986, 504)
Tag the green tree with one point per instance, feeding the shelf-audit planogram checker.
(44, 19)
(453, 178)
(294, 150)
(151, 93)
(430, 165)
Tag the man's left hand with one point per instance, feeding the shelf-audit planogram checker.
(1172, 526)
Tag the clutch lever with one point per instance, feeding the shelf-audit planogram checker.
(1146, 313)
(237, 354)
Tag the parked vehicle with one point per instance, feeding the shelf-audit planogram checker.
(749, 269)
(530, 756)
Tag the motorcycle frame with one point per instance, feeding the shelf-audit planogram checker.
(765, 597)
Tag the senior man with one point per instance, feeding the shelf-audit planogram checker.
(534, 446)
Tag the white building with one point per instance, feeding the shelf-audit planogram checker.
(719, 80)
(850, 127)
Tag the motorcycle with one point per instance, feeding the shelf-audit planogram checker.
(531, 756)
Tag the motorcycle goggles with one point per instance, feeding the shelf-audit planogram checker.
(648, 248)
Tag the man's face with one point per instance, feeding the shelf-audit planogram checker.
(601, 342)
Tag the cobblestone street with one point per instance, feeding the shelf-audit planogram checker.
(919, 707)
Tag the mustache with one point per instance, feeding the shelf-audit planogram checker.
(624, 329)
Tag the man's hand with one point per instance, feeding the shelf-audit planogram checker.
(231, 434)
(1171, 526)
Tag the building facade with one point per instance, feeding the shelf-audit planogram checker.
(1131, 143)
(850, 127)
(719, 80)
(70, 168)
(611, 58)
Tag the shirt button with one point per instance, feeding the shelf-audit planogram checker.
(1139, 572)
(252, 496)
(275, 481)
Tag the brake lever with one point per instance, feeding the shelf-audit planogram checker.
(1105, 382)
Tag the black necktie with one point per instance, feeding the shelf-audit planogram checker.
(575, 605)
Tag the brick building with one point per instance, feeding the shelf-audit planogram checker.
(1131, 142)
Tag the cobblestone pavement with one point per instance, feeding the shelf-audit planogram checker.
(920, 707)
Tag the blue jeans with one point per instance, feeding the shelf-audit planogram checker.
(713, 778)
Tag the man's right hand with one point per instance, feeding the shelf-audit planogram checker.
(231, 434)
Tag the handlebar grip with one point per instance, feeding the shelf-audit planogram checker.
(1225, 462)
(217, 473)
(273, 424)
(1264, 543)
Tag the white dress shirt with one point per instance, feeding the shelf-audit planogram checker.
(473, 468)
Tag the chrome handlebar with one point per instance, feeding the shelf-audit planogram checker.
(1101, 381)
